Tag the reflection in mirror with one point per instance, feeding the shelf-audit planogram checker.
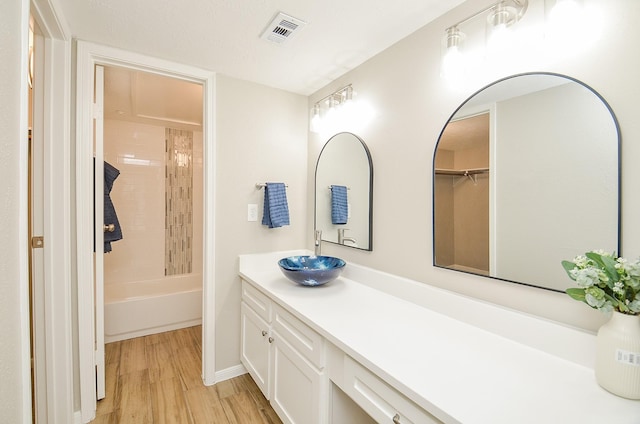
(344, 188)
(526, 174)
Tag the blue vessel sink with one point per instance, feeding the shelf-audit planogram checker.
(311, 270)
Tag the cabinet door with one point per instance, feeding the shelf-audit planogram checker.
(255, 347)
(297, 388)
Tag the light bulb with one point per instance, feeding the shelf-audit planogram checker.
(316, 120)
(453, 63)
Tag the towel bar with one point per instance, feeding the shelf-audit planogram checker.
(263, 185)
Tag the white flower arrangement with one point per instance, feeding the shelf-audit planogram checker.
(605, 282)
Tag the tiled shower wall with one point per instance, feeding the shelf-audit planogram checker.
(178, 187)
(139, 195)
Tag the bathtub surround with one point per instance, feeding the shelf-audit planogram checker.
(153, 281)
(152, 182)
(178, 252)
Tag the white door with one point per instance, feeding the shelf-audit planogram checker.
(98, 207)
(36, 233)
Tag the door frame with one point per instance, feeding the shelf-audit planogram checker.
(89, 55)
(53, 104)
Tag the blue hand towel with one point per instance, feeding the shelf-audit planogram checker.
(339, 205)
(276, 210)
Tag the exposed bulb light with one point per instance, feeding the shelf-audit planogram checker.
(500, 38)
(500, 16)
(453, 66)
(315, 119)
(341, 113)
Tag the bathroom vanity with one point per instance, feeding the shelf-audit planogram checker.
(374, 347)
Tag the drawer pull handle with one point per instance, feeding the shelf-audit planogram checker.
(396, 419)
(270, 339)
(264, 333)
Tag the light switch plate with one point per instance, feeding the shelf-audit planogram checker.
(252, 212)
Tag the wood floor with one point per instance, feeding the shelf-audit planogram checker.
(156, 379)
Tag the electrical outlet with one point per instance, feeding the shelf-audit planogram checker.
(252, 212)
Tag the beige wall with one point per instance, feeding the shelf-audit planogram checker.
(261, 136)
(13, 267)
(574, 156)
(412, 105)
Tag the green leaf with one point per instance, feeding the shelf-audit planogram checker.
(610, 268)
(576, 293)
(568, 266)
(607, 264)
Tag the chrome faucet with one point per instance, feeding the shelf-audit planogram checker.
(318, 240)
(342, 238)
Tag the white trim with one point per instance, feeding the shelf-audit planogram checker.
(22, 225)
(231, 372)
(209, 254)
(58, 349)
(469, 112)
(89, 55)
(84, 232)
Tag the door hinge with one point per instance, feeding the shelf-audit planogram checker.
(37, 242)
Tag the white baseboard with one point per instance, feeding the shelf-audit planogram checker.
(77, 417)
(230, 372)
(148, 331)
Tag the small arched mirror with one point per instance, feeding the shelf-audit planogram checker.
(526, 174)
(344, 192)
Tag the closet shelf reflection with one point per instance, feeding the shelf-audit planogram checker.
(469, 173)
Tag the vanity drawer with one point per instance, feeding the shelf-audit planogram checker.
(300, 336)
(381, 401)
(259, 302)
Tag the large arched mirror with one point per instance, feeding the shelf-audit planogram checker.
(526, 174)
(344, 192)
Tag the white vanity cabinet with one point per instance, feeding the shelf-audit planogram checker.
(285, 358)
(255, 328)
(381, 401)
(349, 353)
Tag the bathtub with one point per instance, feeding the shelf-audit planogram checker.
(140, 308)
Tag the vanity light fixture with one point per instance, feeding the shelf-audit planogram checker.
(500, 17)
(338, 108)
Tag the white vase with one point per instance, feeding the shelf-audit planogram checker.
(618, 355)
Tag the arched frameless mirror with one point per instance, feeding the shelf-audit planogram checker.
(526, 174)
(344, 214)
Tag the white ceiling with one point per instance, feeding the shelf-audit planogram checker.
(224, 35)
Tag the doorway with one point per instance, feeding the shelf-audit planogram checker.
(89, 57)
(152, 145)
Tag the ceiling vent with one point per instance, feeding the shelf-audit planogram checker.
(282, 28)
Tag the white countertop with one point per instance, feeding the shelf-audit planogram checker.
(458, 372)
